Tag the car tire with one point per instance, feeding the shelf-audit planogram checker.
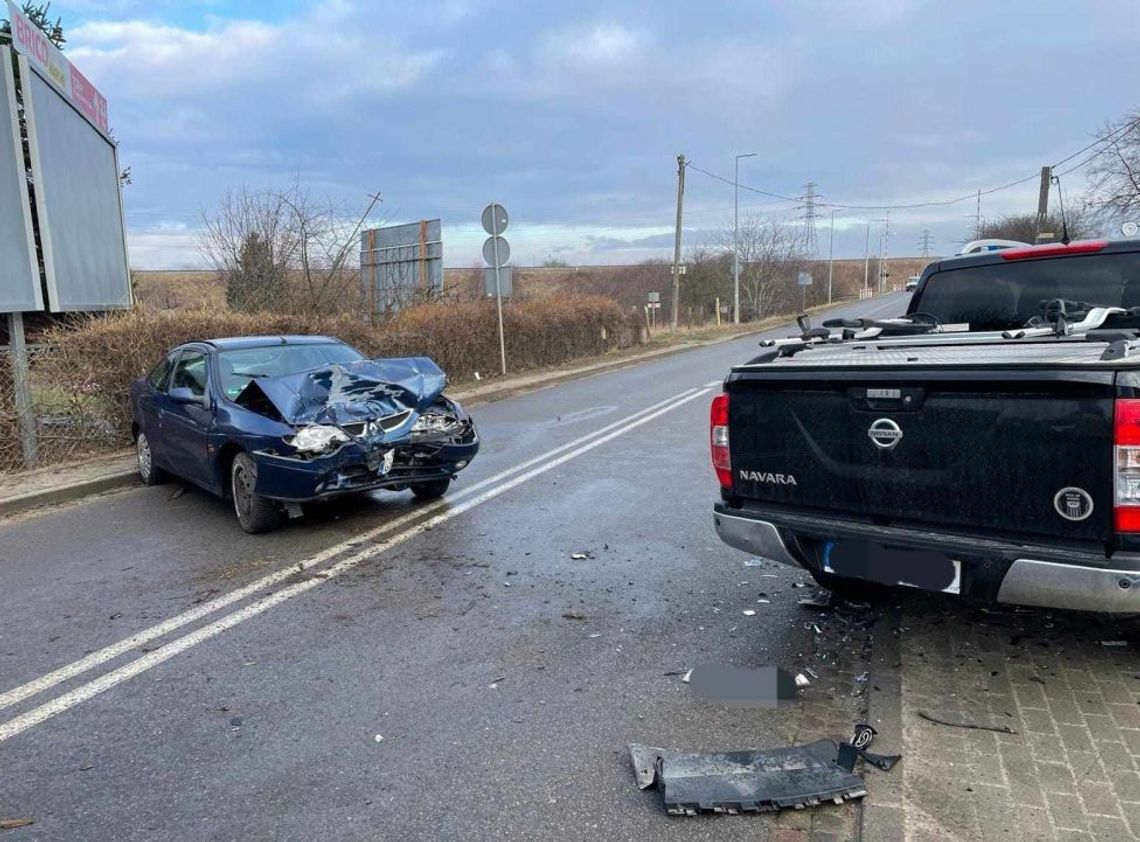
(149, 473)
(254, 513)
(431, 490)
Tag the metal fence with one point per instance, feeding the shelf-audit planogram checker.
(65, 420)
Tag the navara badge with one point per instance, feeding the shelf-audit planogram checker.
(1073, 503)
(885, 433)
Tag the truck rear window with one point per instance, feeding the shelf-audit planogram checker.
(1002, 296)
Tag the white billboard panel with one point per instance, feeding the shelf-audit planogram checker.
(19, 272)
(78, 202)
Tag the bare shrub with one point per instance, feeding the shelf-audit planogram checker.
(92, 363)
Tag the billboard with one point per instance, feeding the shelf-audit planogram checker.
(76, 196)
(76, 184)
(401, 264)
(19, 270)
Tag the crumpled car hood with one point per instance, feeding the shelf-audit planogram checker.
(348, 393)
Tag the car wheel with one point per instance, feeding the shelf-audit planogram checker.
(431, 490)
(149, 473)
(254, 512)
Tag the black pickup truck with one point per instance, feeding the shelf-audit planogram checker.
(986, 443)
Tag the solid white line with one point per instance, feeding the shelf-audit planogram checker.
(108, 653)
(84, 692)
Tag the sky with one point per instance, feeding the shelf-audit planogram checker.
(572, 114)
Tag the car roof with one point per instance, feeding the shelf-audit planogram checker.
(987, 258)
(233, 342)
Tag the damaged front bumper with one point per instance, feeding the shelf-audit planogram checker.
(356, 467)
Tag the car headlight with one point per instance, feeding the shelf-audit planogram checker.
(316, 438)
(435, 422)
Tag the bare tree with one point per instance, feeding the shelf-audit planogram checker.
(282, 250)
(1114, 176)
(1023, 226)
(771, 254)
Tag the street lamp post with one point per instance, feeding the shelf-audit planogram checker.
(736, 239)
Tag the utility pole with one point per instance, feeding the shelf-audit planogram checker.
(883, 251)
(677, 239)
(978, 217)
(830, 254)
(736, 240)
(867, 256)
(1043, 200)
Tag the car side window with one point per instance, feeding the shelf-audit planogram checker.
(190, 373)
(159, 376)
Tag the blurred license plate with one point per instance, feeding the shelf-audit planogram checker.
(929, 570)
(380, 463)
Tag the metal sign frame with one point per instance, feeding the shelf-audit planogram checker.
(43, 210)
(8, 80)
(393, 265)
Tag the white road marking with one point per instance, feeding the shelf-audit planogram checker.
(37, 715)
(108, 653)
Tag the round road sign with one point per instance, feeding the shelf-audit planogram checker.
(1130, 229)
(489, 251)
(495, 219)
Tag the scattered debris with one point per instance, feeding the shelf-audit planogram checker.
(751, 780)
(581, 556)
(685, 678)
(763, 601)
(802, 680)
(821, 601)
(379, 738)
(798, 585)
(1114, 643)
(596, 634)
(676, 672)
(12, 824)
(749, 612)
(235, 721)
(178, 492)
(573, 615)
(754, 562)
(1037, 678)
(1001, 729)
(811, 672)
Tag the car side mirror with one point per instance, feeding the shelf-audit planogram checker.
(183, 395)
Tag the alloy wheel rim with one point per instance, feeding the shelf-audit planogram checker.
(143, 455)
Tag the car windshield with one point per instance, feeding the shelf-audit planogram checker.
(1006, 295)
(240, 365)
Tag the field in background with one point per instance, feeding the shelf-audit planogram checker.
(628, 285)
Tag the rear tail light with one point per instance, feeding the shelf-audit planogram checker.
(718, 437)
(1053, 250)
(1126, 437)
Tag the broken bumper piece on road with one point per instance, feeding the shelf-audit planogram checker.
(758, 780)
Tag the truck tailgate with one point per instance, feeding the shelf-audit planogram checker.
(997, 450)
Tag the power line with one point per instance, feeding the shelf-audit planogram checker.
(943, 202)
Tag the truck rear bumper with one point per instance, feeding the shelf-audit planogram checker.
(1006, 572)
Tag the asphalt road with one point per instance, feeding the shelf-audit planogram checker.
(401, 671)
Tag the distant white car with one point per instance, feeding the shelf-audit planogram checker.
(977, 246)
(912, 283)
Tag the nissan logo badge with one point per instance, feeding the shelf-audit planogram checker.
(885, 433)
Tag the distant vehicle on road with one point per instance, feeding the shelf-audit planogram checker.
(912, 283)
(986, 445)
(978, 246)
(275, 421)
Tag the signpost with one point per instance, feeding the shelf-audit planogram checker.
(804, 280)
(496, 252)
(651, 308)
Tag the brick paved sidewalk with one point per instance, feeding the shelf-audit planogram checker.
(1070, 770)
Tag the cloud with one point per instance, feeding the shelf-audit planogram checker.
(326, 58)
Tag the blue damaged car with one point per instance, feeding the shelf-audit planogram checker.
(276, 421)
